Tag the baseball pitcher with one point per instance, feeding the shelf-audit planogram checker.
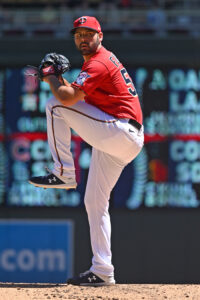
(102, 106)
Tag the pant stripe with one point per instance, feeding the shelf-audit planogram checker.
(53, 131)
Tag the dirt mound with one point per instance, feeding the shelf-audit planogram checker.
(27, 291)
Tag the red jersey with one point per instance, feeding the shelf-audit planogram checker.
(108, 86)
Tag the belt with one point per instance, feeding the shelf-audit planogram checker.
(135, 123)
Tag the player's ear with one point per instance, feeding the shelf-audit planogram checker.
(101, 36)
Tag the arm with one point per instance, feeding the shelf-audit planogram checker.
(64, 93)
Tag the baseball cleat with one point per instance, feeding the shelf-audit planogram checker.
(52, 181)
(90, 279)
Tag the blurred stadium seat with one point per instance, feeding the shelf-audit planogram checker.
(159, 17)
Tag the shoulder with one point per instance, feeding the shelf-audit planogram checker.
(95, 65)
(103, 55)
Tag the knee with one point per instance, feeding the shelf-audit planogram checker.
(92, 204)
(88, 203)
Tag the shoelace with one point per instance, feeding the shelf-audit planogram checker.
(48, 170)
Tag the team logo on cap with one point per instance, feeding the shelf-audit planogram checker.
(82, 20)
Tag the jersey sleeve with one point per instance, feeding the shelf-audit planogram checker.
(91, 77)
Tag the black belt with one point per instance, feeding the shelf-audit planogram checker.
(135, 124)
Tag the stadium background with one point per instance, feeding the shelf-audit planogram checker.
(155, 205)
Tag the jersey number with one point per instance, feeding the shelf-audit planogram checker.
(128, 82)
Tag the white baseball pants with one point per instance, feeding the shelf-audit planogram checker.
(115, 143)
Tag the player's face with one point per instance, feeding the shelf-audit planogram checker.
(87, 41)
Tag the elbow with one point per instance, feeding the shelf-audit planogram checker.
(66, 101)
(61, 98)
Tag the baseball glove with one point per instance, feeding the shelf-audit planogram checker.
(52, 64)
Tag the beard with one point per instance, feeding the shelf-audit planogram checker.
(86, 49)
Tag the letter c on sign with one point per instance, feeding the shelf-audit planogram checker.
(7, 260)
(21, 149)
